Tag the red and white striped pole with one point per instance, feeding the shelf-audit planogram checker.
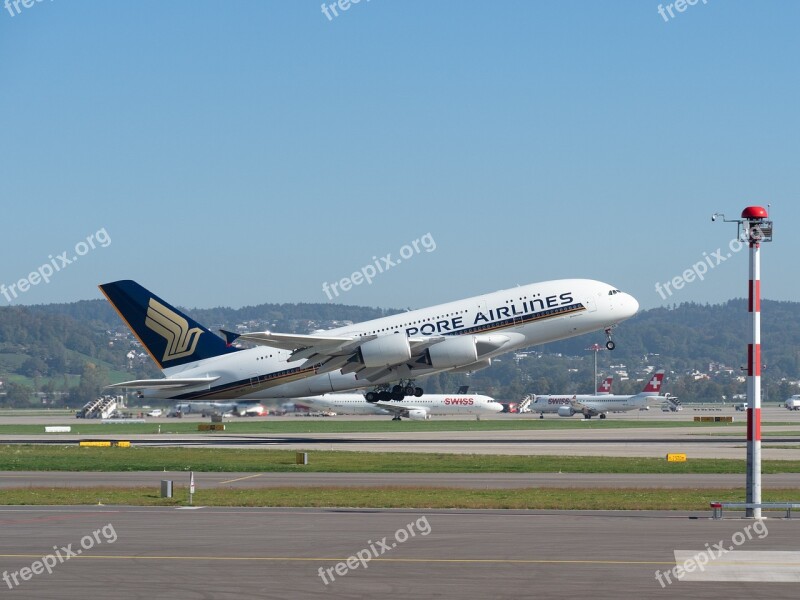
(754, 372)
(757, 229)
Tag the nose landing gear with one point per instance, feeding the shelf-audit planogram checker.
(610, 345)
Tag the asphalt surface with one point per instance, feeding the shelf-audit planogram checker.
(58, 479)
(228, 554)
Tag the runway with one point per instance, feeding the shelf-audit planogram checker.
(59, 479)
(279, 553)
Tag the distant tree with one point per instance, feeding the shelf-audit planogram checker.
(33, 367)
(93, 380)
(18, 395)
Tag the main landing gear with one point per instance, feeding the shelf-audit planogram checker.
(610, 345)
(383, 393)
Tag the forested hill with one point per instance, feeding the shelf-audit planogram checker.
(692, 335)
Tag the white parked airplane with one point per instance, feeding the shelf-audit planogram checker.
(412, 408)
(240, 409)
(598, 404)
(460, 336)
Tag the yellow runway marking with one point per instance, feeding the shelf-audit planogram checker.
(493, 561)
(241, 478)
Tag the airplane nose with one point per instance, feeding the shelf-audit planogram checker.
(630, 306)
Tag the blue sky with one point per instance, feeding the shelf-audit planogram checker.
(244, 152)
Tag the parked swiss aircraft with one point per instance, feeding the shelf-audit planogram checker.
(241, 409)
(597, 404)
(412, 408)
(460, 336)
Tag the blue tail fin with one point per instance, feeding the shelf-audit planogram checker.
(171, 337)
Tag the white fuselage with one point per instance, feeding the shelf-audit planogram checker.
(505, 321)
(433, 404)
(600, 403)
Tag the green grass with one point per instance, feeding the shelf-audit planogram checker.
(763, 433)
(73, 458)
(781, 447)
(397, 497)
(335, 425)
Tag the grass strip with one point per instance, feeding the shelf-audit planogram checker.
(396, 497)
(74, 458)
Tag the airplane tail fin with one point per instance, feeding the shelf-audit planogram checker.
(604, 387)
(654, 384)
(463, 389)
(171, 338)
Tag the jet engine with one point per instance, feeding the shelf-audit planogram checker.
(385, 351)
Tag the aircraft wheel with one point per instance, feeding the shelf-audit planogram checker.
(610, 345)
(397, 389)
(418, 391)
(409, 391)
(602, 416)
(371, 397)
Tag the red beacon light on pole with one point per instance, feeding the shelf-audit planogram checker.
(754, 226)
(758, 228)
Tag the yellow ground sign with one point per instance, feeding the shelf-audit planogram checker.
(676, 457)
(103, 444)
(211, 427)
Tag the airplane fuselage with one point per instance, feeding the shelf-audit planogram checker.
(600, 403)
(434, 404)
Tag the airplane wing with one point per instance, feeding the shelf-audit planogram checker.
(164, 384)
(334, 352)
(409, 411)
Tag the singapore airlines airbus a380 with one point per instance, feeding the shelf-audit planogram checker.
(458, 336)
